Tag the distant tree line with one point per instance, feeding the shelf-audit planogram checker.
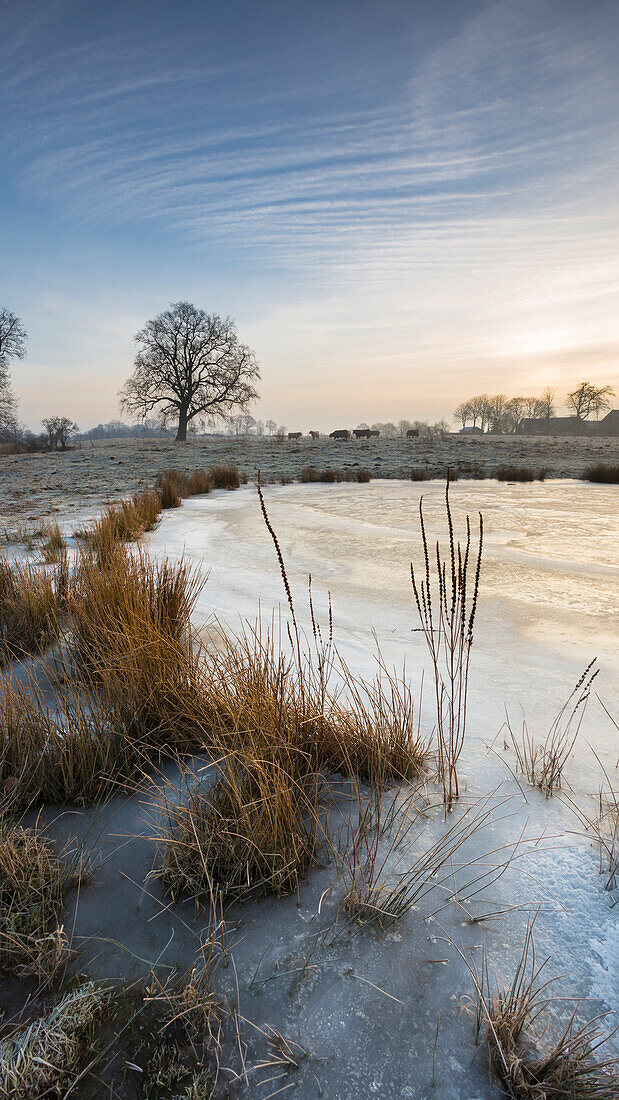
(498, 413)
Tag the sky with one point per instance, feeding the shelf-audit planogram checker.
(400, 204)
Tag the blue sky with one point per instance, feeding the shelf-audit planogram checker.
(400, 204)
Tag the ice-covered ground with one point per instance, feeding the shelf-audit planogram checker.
(380, 1016)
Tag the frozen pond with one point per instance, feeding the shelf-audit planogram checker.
(549, 593)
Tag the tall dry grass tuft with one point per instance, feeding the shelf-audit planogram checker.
(605, 473)
(168, 491)
(447, 620)
(123, 522)
(255, 829)
(53, 546)
(33, 881)
(543, 763)
(224, 477)
(132, 637)
(47, 1056)
(529, 1061)
(199, 483)
(519, 473)
(28, 609)
(80, 751)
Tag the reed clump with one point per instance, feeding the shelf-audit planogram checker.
(47, 1056)
(199, 483)
(605, 473)
(123, 522)
(169, 494)
(33, 882)
(224, 477)
(130, 628)
(418, 473)
(53, 546)
(519, 473)
(28, 609)
(530, 1062)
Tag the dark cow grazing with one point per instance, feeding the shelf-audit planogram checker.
(374, 434)
(412, 433)
(343, 433)
(294, 435)
(314, 435)
(362, 433)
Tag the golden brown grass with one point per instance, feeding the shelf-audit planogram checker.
(123, 522)
(168, 491)
(28, 609)
(131, 633)
(199, 483)
(33, 881)
(224, 477)
(53, 546)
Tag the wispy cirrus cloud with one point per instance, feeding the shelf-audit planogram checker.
(463, 212)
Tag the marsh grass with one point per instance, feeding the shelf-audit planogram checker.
(28, 609)
(199, 483)
(530, 1062)
(447, 620)
(543, 763)
(33, 881)
(389, 864)
(53, 546)
(605, 473)
(224, 477)
(47, 1056)
(420, 474)
(77, 751)
(519, 473)
(123, 522)
(168, 491)
(130, 629)
(331, 475)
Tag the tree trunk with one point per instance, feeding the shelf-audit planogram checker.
(181, 435)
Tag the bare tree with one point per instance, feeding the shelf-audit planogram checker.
(12, 346)
(515, 412)
(587, 399)
(59, 430)
(270, 426)
(403, 427)
(463, 413)
(547, 404)
(190, 363)
(12, 339)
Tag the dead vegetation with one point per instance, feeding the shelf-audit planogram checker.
(47, 1055)
(543, 762)
(447, 618)
(530, 1061)
(330, 476)
(33, 881)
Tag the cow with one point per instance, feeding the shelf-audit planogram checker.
(294, 435)
(412, 433)
(361, 433)
(374, 434)
(342, 433)
(314, 435)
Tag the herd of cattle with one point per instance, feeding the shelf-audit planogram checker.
(358, 433)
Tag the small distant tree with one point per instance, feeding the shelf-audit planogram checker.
(270, 426)
(281, 432)
(546, 406)
(463, 412)
(587, 399)
(362, 427)
(403, 427)
(59, 430)
(190, 364)
(515, 412)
